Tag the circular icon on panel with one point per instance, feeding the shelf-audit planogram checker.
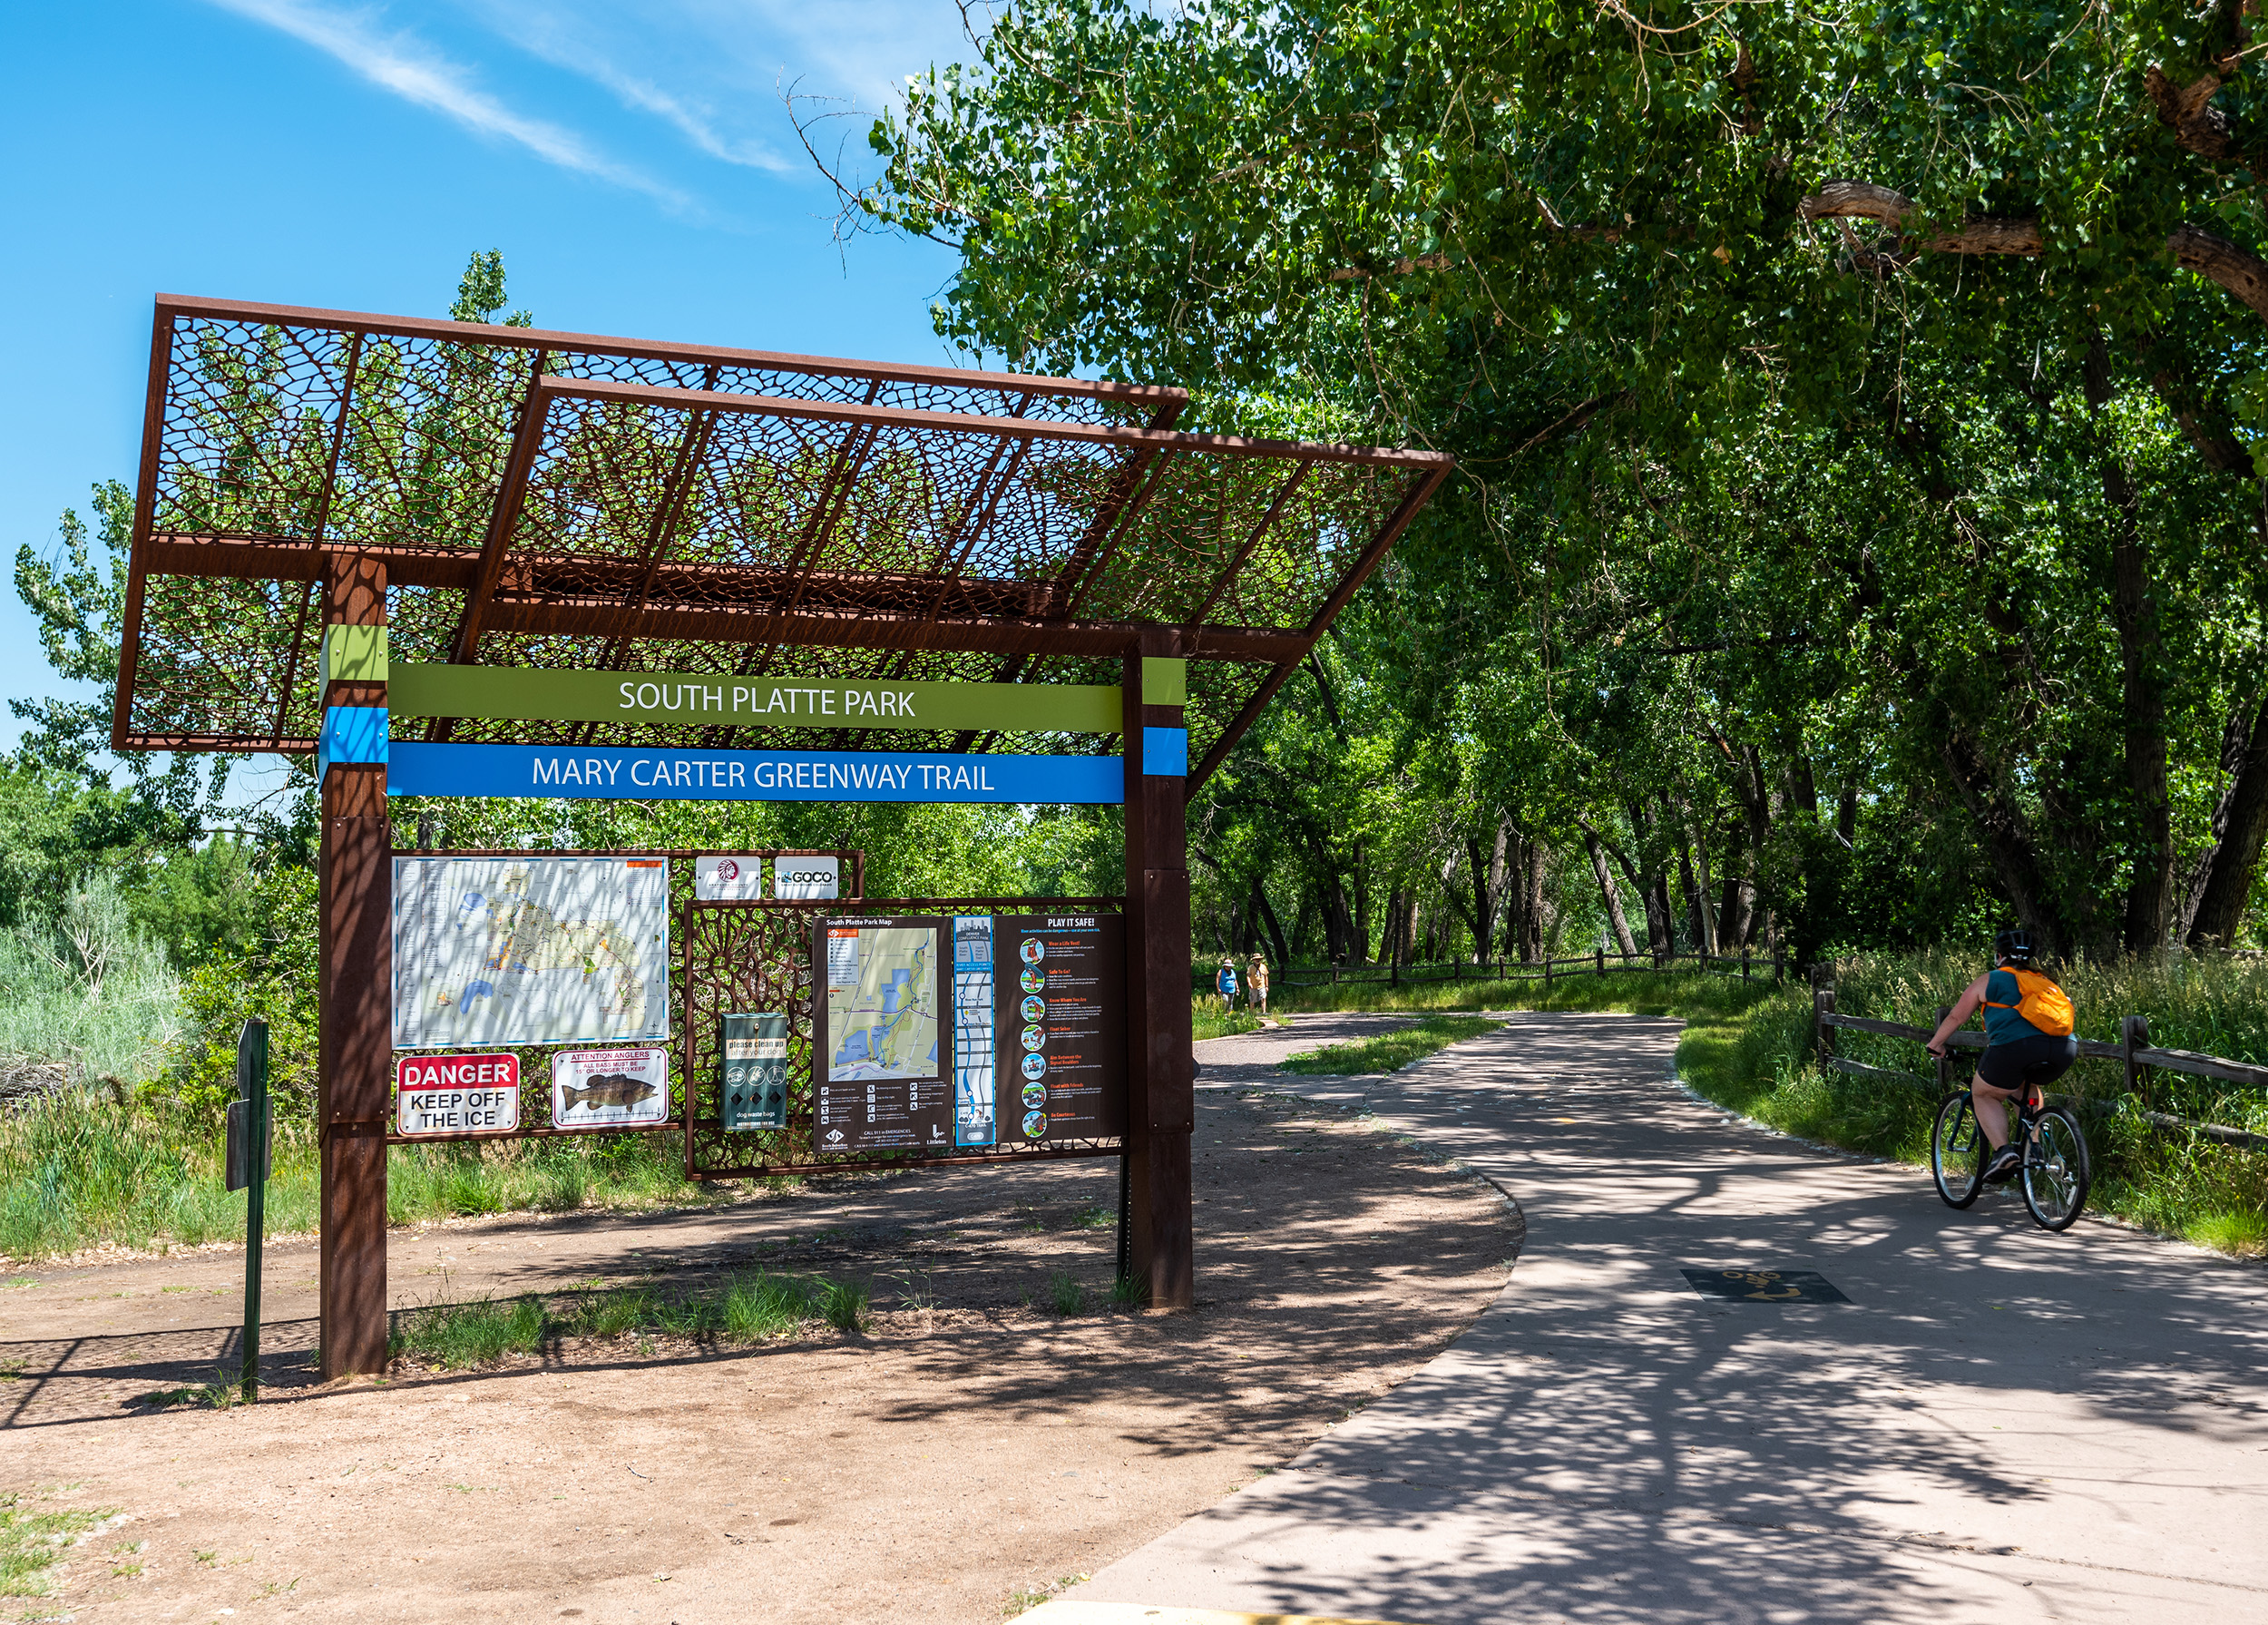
(1033, 1038)
(1034, 1007)
(1035, 1095)
(1034, 950)
(1035, 1065)
(1033, 981)
(1035, 1125)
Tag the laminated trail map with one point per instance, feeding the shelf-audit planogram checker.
(879, 1054)
(530, 950)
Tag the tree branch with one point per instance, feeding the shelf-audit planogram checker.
(2239, 270)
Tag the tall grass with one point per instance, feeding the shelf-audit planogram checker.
(746, 1308)
(79, 1169)
(87, 992)
(1210, 1017)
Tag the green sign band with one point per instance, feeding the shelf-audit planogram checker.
(521, 693)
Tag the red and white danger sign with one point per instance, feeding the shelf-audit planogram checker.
(456, 1094)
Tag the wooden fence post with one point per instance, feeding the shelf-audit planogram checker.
(1547, 975)
(1744, 964)
(1822, 1005)
(1944, 1061)
(2134, 1033)
(1602, 960)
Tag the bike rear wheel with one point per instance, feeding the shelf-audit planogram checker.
(2057, 1168)
(1957, 1151)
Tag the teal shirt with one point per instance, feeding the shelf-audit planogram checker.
(2005, 1026)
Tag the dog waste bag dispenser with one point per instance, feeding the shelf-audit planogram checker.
(755, 1051)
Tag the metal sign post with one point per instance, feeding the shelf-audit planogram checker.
(249, 1165)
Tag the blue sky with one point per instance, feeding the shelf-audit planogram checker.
(633, 162)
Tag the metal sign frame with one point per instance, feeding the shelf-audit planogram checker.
(321, 491)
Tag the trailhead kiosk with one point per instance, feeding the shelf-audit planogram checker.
(452, 559)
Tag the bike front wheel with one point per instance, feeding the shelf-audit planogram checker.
(2057, 1170)
(1957, 1152)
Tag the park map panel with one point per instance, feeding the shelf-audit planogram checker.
(530, 950)
(880, 1081)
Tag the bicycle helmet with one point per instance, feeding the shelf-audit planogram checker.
(2015, 946)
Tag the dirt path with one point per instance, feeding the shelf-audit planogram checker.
(952, 1457)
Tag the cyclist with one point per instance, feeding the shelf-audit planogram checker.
(2029, 1041)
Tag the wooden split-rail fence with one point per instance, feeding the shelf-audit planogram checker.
(1601, 962)
(2133, 1050)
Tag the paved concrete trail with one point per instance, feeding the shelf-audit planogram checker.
(2001, 1424)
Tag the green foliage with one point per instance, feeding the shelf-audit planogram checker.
(757, 1308)
(223, 1393)
(86, 991)
(454, 1335)
(1210, 1017)
(2245, 1234)
(1911, 590)
(81, 1171)
(1065, 1294)
(78, 605)
(205, 903)
(274, 977)
(32, 1541)
(843, 1306)
(1388, 1052)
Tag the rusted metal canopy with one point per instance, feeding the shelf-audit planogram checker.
(564, 501)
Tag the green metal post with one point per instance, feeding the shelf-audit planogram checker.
(251, 1085)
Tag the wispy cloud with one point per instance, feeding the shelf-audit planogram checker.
(400, 63)
(714, 69)
(541, 34)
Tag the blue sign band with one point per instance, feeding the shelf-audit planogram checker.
(1165, 752)
(606, 772)
(351, 733)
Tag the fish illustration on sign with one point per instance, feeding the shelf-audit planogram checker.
(607, 1089)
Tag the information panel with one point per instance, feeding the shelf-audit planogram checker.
(755, 1082)
(975, 1055)
(530, 950)
(1061, 993)
(881, 1049)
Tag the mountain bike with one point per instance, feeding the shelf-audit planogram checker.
(2056, 1170)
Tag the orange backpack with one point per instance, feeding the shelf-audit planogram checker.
(2040, 1001)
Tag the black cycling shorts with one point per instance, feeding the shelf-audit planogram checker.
(2040, 1059)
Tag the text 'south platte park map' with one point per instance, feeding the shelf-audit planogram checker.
(882, 1001)
(530, 950)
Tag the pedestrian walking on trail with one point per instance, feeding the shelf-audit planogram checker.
(1260, 984)
(2029, 1041)
(1226, 982)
